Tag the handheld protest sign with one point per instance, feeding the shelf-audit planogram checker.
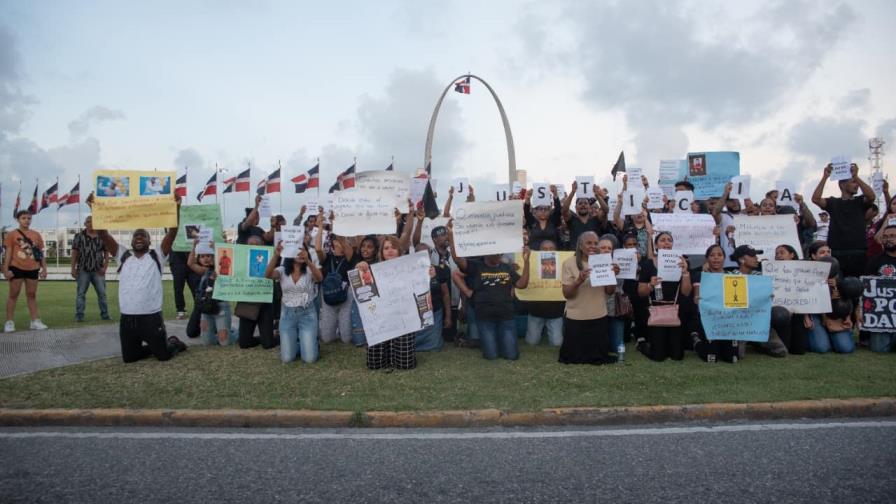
(627, 260)
(841, 168)
(667, 265)
(749, 320)
(601, 270)
(785, 194)
(461, 185)
(541, 195)
(709, 172)
(632, 201)
(134, 199)
(740, 187)
(669, 170)
(240, 270)
(584, 186)
(634, 175)
(192, 219)
(654, 198)
(683, 201)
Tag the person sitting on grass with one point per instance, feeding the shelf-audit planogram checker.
(142, 327)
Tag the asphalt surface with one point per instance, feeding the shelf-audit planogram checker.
(834, 461)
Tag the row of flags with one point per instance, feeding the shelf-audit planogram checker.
(270, 184)
(49, 197)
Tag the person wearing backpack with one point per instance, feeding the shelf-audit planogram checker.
(298, 279)
(215, 315)
(336, 309)
(142, 327)
(24, 263)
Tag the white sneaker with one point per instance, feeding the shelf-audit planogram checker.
(10, 326)
(181, 315)
(37, 325)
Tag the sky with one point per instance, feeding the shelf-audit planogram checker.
(167, 85)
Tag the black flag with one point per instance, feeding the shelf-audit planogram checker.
(619, 166)
(430, 207)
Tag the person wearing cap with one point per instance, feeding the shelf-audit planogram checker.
(583, 220)
(747, 261)
(543, 221)
(846, 234)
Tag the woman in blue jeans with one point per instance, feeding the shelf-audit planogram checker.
(298, 314)
(489, 282)
(214, 328)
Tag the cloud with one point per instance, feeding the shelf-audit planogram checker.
(396, 123)
(13, 102)
(189, 157)
(887, 131)
(857, 99)
(821, 138)
(94, 115)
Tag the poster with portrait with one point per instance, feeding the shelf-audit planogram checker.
(133, 199)
(240, 271)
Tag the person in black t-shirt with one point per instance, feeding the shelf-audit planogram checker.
(846, 234)
(884, 265)
(583, 220)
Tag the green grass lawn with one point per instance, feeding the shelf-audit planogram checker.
(56, 303)
(217, 377)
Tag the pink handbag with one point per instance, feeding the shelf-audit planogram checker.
(664, 315)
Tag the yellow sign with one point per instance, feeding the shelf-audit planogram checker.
(545, 283)
(734, 290)
(134, 199)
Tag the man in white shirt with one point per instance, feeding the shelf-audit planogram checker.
(142, 327)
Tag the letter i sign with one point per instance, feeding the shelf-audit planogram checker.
(734, 291)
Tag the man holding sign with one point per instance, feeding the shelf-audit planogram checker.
(142, 328)
(846, 234)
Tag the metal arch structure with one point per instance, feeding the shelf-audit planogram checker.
(511, 154)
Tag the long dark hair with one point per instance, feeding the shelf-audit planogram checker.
(376, 248)
(289, 263)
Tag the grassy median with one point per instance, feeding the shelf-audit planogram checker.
(454, 378)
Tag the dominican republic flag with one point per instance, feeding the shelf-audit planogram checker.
(228, 185)
(301, 182)
(33, 206)
(314, 177)
(15, 209)
(50, 196)
(243, 181)
(71, 197)
(211, 187)
(346, 179)
(462, 85)
(391, 167)
(262, 185)
(180, 186)
(272, 184)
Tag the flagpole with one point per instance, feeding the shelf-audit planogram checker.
(57, 224)
(249, 167)
(216, 182)
(79, 199)
(280, 167)
(318, 180)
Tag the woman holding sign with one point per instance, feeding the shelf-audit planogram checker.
(586, 338)
(665, 336)
(710, 351)
(215, 318)
(298, 279)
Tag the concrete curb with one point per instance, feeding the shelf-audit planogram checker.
(824, 408)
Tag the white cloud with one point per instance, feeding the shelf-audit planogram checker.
(94, 115)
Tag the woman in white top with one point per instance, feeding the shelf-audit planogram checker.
(298, 278)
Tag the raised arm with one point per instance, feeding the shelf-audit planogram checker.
(418, 229)
(191, 260)
(717, 209)
(446, 212)
(524, 276)
(867, 190)
(271, 271)
(405, 239)
(318, 240)
(819, 189)
(567, 201)
(461, 262)
(109, 242)
(252, 218)
(168, 240)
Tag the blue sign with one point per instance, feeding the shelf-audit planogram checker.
(709, 172)
(750, 323)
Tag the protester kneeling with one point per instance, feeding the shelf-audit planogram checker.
(298, 279)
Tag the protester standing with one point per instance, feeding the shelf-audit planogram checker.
(24, 263)
(89, 262)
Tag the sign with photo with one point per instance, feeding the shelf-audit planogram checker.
(133, 199)
(240, 270)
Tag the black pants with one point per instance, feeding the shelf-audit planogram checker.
(664, 343)
(142, 336)
(586, 342)
(450, 334)
(182, 275)
(265, 324)
(396, 353)
(193, 329)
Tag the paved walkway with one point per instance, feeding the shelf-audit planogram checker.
(24, 352)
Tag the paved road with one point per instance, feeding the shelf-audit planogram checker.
(843, 461)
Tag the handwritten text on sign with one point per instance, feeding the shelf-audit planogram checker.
(800, 286)
(744, 324)
(397, 183)
(489, 227)
(767, 232)
(693, 233)
(389, 301)
(361, 212)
